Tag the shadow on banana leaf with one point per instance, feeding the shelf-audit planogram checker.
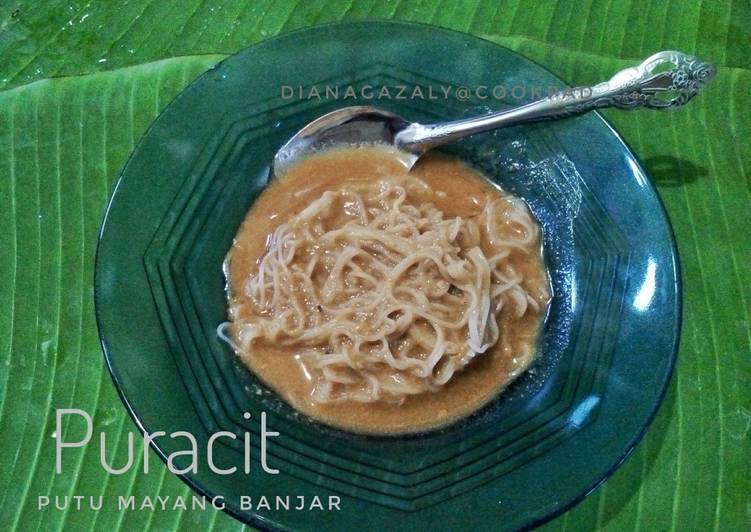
(668, 171)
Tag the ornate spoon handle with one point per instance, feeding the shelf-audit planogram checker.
(663, 80)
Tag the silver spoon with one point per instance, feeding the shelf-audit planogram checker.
(663, 80)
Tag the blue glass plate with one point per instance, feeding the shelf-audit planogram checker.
(606, 352)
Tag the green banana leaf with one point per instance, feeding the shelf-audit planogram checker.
(80, 81)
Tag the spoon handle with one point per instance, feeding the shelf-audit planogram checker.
(663, 80)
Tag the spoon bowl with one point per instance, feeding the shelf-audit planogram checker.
(350, 126)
